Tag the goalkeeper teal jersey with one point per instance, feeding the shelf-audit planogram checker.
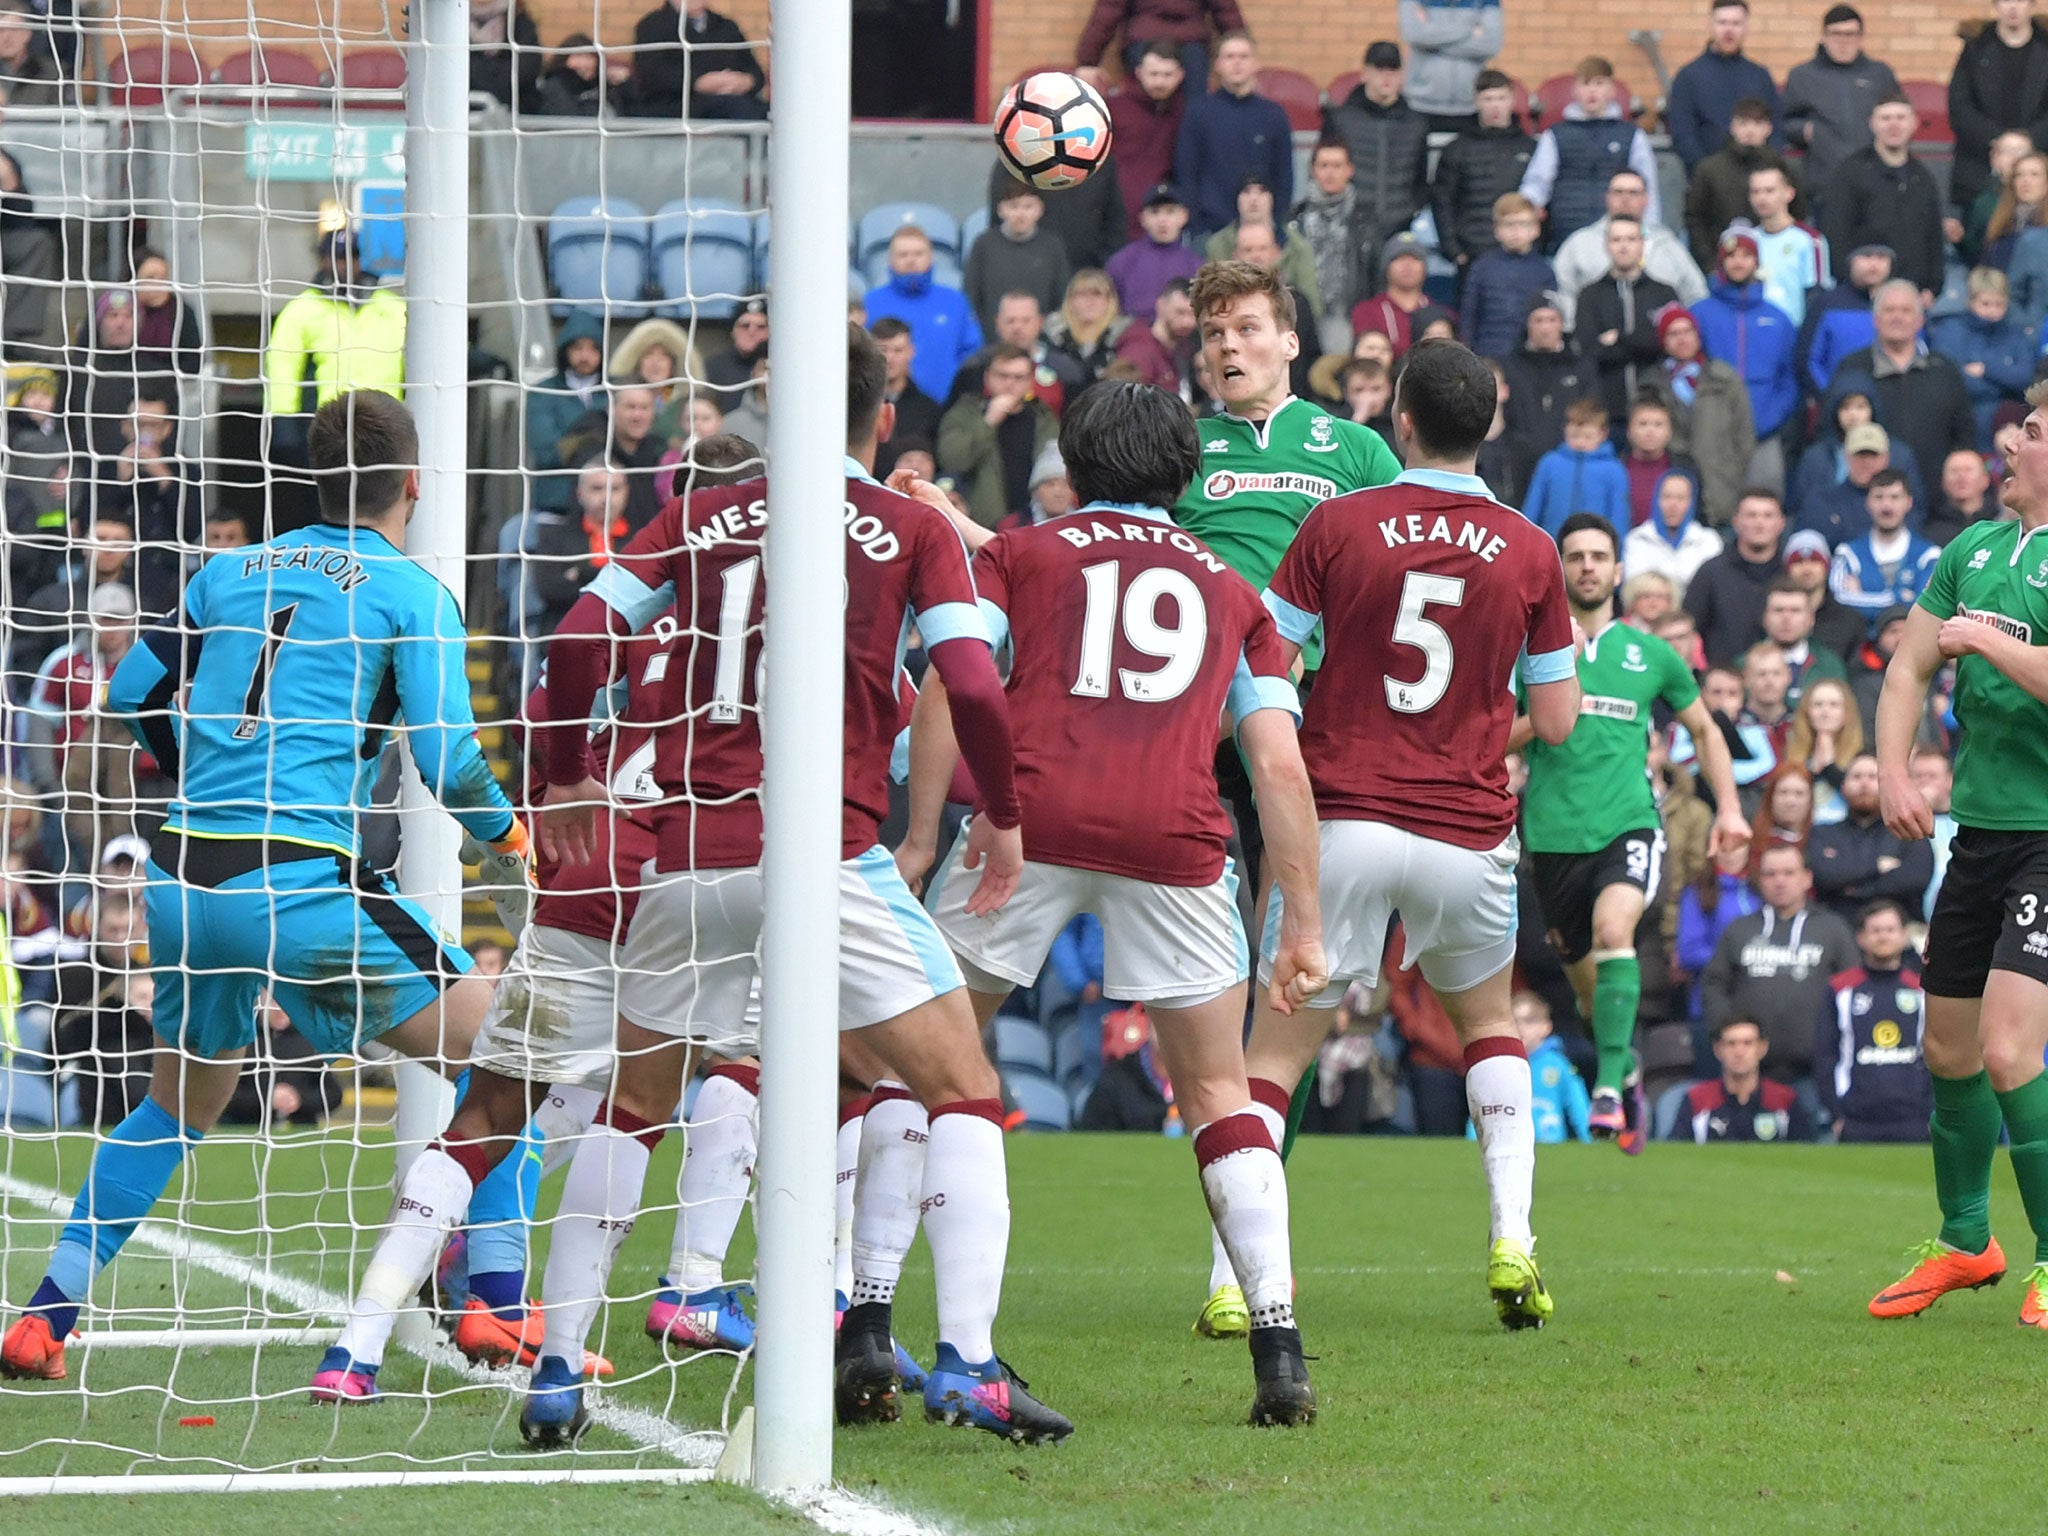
(271, 699)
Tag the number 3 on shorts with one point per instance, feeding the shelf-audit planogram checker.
(2028, 908)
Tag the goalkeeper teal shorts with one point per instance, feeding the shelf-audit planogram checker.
(345, 956)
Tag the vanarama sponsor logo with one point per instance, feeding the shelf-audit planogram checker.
(1225, 484)
(1607, 709)
(2019, 629)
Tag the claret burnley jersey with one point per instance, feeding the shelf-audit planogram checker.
(1129, 637)
(1431, 596)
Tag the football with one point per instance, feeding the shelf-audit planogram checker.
(1052, 130)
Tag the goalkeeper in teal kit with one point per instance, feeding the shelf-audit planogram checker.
(270, 701)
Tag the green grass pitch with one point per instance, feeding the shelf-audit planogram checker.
(1687, 1383)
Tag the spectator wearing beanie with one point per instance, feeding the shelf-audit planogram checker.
(1393, 311)
(1809, 561)
(1577, 158)
(1142, 269)
(1450, 42)
(1705, 92)
(1500, 284)
(1828, 99)
(1717, 192)
(1476, 169)
(1759, 341)
(1388, 140)
(1711, 419)
(1994, 349)
(1545, 375)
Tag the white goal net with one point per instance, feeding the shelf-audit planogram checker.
(204, 233)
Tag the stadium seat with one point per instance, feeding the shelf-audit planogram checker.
(1669, 1108)
(1023, 1044)
(597, 255)
(1042, 1100)
(702, 255)
(761, 251)
(1300, 97)
(372, 69)
(1930, 100)
(267, 66)
(1341, 87)
(140, 76)
(972, 228)
(871, 237)
(1074, 1055)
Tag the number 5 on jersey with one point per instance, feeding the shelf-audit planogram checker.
(1179, 646)
(1418, 592)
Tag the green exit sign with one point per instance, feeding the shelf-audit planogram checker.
(289, 151)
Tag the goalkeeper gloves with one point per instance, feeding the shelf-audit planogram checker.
(505, 870)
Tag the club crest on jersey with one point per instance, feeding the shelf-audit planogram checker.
(1632, 659)
(1322, 436)
(1223, 485)
(2039, 580)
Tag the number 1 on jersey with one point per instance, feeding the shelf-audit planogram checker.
(1180, 646)
(1418, 591)
(735, 603)
(259, 682)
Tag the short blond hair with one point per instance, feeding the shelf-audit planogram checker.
(1509, 204)
(1220, 284)
(1989, 280)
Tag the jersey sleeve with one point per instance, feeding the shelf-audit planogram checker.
(1677, 687)
(992, 587)
(1938, 597)
(1294, 597)
(1262, 680)
(638, 582)
(1550, 654)
(429, 660)
(1378, 465)
(942, 595)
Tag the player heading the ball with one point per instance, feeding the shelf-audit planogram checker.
(1433, 598)
(1129, 638)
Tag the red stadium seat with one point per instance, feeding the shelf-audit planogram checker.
(1341, 88)
(267, 66)
(372, 69)
(1555, 94)
(140, 76)
(1300, 97)
(1930, 100)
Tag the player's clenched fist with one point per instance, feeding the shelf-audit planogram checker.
(1300, 971)
(1906, 811)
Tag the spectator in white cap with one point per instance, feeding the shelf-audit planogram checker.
(1807, 561)
(1051, 494)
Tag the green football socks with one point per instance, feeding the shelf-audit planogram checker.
(2025, 1109)
(1967, 1115)
(1617, 993)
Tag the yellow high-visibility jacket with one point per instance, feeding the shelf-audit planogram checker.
(349, 346)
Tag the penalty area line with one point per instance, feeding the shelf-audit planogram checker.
(831, 1509)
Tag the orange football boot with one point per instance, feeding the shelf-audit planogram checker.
(1940, 1269)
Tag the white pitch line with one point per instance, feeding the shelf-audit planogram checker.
(833, 1509)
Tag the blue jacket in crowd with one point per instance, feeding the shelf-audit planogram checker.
(1077, 953)
(1858, 580)
(2005, 348)
(1495, 307)
(1759, 341)
(2028, 275)
(942, 326)
(1702, 102)
(1838, 322)
(1699, 931)
(1223, 139)
(1568, 481)
(1867, 1068)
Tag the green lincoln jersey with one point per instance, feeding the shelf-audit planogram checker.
(2002, 757)
(1595, 786)
(1260, 479)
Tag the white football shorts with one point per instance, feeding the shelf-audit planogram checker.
(693, 955)
(1457, 907)
(1172, 946)
(554, 1016)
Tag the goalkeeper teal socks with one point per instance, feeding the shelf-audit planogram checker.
(499, 1215)
(2025, 1109)
(1617, 993)
(128, 1176)
(1965, 1135)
